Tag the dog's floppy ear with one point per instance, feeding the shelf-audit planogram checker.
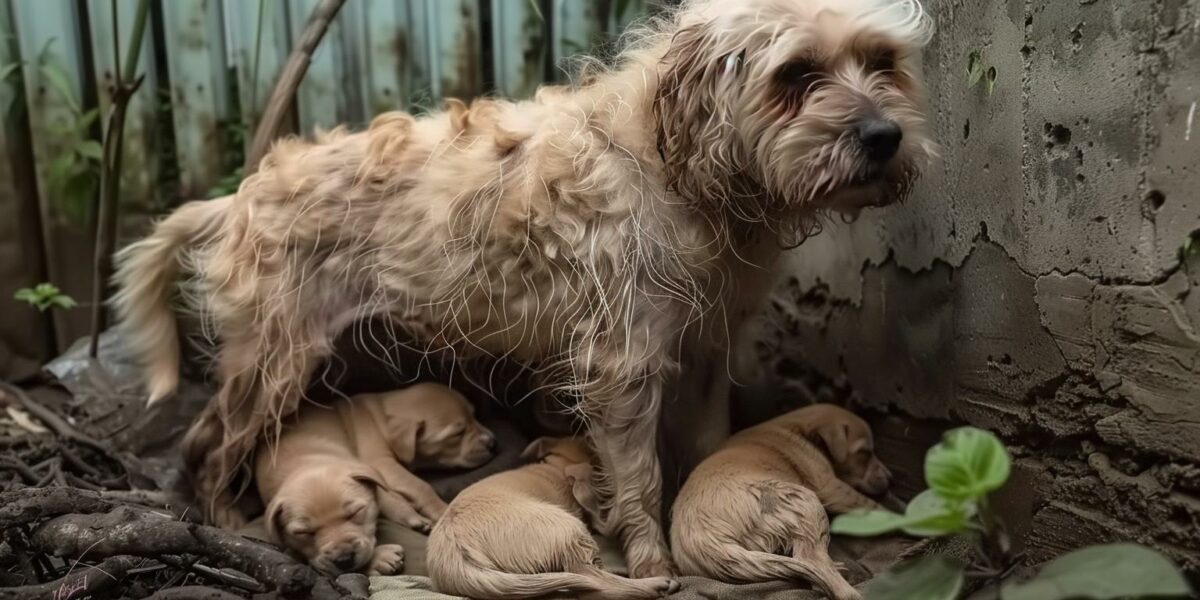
(367, 476)
(403, 435)
(697, 79)
(274, 521)
(536, 450)
(835, 439)
(579, 476)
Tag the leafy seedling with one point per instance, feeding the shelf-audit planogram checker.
(44, 296)
(961, 471)
(978, 71)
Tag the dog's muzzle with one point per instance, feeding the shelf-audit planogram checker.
(880, 139)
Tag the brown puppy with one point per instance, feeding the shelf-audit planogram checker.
(521, 534)
(335, 469)
(762, 492)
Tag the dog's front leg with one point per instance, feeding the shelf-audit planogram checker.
(839, 497)
(625, 432)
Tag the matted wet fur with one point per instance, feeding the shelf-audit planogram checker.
(611, 234)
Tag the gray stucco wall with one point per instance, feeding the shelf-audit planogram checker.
(1034, 283)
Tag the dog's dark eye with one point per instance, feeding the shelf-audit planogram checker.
(799, 74)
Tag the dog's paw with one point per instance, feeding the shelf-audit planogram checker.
(420, 525)
(664, 586)
(388, 560)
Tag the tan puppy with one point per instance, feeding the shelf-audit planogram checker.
(521, 534)
(335, 469)
(761, 494)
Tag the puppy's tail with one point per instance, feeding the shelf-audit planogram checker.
(145, 276)
(739, 564)
(590, 583)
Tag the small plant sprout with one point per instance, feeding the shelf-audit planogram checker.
(44, 296)
(961, 471)
(978, 71)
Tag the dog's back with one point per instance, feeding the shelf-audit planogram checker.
(521, 534)
(751, 500)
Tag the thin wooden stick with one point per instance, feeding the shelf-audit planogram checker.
(289, 80)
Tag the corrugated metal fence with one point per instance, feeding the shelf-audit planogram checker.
(209, 68)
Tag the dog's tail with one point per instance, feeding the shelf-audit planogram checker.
(740, 564)
(145, 276)
(588, 582)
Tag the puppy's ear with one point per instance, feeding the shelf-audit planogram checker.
(579, 476)
(403, 436)
(536, 450)
(834, 438)
(274, 521)
(367, 476)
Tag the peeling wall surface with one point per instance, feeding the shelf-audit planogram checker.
(1039, 282)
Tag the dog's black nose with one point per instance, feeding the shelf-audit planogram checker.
(489, 440)
(880, 138)
(345, 561)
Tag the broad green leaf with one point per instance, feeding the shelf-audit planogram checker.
(86, 119)
(91, 149)
(26, 295)
(991, 80)
(934, 577)
(1104, 573)
(60, 170)
(59, 80)
(974, 68)
(967, 464)
(867, 523)
(46, 289)
(63, 301)
(8, 69)
(930, 515)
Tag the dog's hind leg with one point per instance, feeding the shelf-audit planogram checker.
(625, 431)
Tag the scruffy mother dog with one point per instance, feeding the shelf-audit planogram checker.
(612, 233)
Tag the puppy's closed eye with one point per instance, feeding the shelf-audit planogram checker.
(301, 533)
(357, 513)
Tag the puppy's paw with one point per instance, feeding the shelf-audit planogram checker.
(420, 525)
(664, 586)
(387, 560)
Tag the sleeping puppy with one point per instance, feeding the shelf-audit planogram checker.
(765, 493)
(336, 469)
(521, 534)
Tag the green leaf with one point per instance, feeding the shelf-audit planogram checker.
(991, 80)
(933, 577)
(8, 69)
(867, 523)
(26, 295)
(967, 464)
(60, 170)
(59, 80)
(930, 515)
(86, 119)
(974, 68)
(91, 149)
(46, 289)
(62, 301)
(1103, 573)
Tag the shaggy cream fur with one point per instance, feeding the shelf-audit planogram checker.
(611, 234)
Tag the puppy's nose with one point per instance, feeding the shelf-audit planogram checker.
(345, 561)
(880, 138)
(489, 440)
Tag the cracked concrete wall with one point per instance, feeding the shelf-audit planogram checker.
(1035, 284)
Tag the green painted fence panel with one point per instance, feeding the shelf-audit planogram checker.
(388, 72)
(257, 43)
(578, 26)
(64, 150)
(193, 44)
(317, 99)
(454, 42)
(518, 47)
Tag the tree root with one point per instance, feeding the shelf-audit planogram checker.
(81, 581)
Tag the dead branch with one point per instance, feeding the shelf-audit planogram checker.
(289, 80)
(56, 423)
(28, 505)
(81, 581)
(126, 530)
(193, 592)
